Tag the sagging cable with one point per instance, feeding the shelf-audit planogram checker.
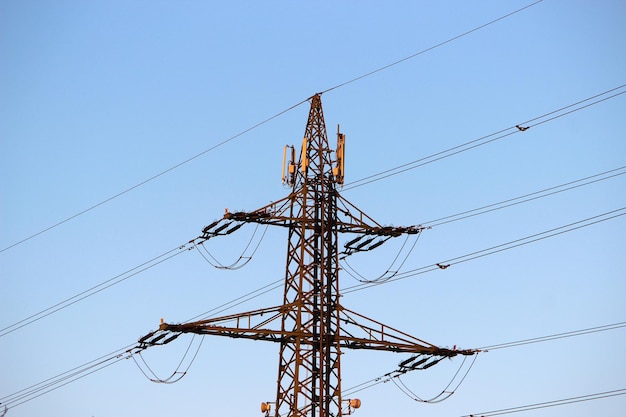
(246, 254)
(177, 374)
(394, 268)
(446, 393)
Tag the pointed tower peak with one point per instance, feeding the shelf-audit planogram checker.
(315, 159)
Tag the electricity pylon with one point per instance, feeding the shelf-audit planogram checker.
(311, 326)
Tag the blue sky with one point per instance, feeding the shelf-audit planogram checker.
(97, 97)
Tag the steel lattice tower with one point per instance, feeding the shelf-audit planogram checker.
(310, 325)
(309, 372)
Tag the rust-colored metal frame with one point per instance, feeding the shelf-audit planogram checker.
(310, 325)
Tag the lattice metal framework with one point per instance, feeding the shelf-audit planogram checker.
(310, 325)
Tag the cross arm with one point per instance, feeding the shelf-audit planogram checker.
(357, 332)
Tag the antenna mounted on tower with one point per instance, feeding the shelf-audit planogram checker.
(338, 170)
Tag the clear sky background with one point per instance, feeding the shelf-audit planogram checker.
(97, 97)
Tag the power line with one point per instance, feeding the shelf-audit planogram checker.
(225, 141)
(94, 290)
(64, 378)
(390, 375)
(555, 336)
(430, 48)
(547, 404)
(484, 140)
(610, 215)
(173, 167)
(541, 236)
(498, 248)
(37, 390)
(278, 283)
(76, 373)
(527, 197)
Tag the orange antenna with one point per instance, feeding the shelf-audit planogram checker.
(338, 170)
(304, 159)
